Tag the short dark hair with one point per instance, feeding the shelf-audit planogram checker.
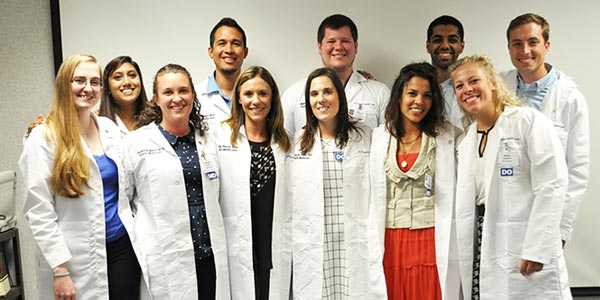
(229, 22)
(529, 18)
(446, 20)
(434, 118)
(335, 22)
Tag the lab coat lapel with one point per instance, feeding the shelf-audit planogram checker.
(491, 150)
(352, 87)
(157, 138)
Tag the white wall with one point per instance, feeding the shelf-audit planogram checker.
(26, 79)
(282, 37)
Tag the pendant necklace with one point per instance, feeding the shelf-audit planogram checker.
(404, 163)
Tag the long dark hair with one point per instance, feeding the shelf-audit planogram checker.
(434, 118)
(343, 124)
(108, 103)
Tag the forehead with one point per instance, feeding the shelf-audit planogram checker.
(526, 31)
(228, 33)
(342, 32)
(321, 82)
(172, 79)
(445, 30)
(255, 82)
(124, 67)
(468, 70)
(417, 82)
(87, 68)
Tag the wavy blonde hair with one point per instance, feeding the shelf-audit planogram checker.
(502, 97)
(70, 171)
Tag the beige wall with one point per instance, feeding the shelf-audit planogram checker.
(26, 78)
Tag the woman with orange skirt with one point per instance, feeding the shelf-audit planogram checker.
(412, 181)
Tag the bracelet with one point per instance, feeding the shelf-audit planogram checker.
(61, 274)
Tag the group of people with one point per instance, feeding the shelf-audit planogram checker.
(447, 186)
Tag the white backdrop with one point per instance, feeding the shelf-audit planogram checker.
(282, 37)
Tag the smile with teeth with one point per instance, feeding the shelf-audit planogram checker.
(85, 97)
(127, 91)
(416, 109)
(471, 99)
(178, 107)
(323, 108)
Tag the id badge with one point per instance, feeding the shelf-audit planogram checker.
(209, 168)
(428, 184)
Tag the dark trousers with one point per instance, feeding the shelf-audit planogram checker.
(261, 283)
(206, 276)
(123, 270)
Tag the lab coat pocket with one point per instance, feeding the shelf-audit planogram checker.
(81, 239)
(509, 247)
(363, 112)
(237, 237)
(562, 133)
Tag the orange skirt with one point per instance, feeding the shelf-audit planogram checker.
(409, 264)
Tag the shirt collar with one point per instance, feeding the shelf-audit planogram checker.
(540, 85)
(213, 87)
(172, 139)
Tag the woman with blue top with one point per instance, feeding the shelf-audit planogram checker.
(70, 171)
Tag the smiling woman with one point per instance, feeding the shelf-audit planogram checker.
(332, 240)
(124, 97)
(172, 163)
(71, 170)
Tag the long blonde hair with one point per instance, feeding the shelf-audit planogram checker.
(70, 171)
(502, 97)
(274, 124)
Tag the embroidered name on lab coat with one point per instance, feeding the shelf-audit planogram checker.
(150, 151)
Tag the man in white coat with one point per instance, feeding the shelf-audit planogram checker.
(540, 85)
(337, 44)
(228, 50)
(445, 42)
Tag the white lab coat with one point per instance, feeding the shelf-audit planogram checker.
(367, 100)
(525, 182)
(444, 187)
(565, 105)
(161, 216)
(70, 230)
(235, 203)
(364, 270)
(212, 106)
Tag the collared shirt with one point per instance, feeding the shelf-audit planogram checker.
(213, 87)
(533, 94)
(185, 148)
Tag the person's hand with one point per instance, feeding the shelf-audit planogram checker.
(366, 74)
(35, 123)
(64, 289)
(528, 267)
